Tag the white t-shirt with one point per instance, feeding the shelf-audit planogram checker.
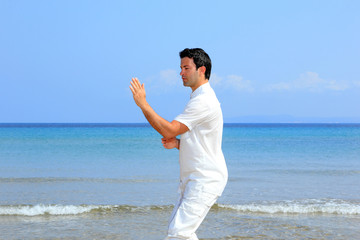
(202, 163)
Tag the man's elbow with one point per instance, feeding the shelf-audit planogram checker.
(174, 129)
(169, 134)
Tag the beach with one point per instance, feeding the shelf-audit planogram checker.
(116, 181)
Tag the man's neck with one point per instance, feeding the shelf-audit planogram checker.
(199, 85)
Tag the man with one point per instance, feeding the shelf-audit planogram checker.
(203, 172)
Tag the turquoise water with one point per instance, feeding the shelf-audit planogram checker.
(110, 181)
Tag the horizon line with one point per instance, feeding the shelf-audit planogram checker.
(148, 124)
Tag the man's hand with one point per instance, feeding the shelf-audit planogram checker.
(170, 143)
(138, 91)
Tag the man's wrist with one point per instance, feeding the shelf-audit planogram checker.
(143, 105)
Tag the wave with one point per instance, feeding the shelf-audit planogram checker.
(308, 206)
(29, 210)
(42, 209)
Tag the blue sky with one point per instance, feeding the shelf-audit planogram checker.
(282, 61)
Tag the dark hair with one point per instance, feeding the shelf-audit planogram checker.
(200, 58)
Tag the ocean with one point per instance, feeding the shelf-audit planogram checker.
(116, 181)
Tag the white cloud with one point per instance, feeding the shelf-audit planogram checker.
(215, 79)
(278, 86)
(310, 81)
(337, 86)
(239, 83)
(164, 81)
(234, 82)
(169, 77)
(356, 83)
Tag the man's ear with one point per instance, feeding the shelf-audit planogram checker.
(202, 69)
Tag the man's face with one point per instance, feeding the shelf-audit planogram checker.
(189, 74)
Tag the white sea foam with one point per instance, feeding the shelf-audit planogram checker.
(45, 209)
(41, 209)
(309, 206)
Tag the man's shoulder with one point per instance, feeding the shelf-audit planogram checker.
(206, 92)
(208, 97)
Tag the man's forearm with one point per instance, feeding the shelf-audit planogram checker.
(160, 124)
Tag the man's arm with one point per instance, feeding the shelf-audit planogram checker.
(165, 128)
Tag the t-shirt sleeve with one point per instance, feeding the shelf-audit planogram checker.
(194, 113)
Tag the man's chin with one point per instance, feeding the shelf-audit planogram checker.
(186, 84)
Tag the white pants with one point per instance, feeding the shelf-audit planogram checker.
(189, 211)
